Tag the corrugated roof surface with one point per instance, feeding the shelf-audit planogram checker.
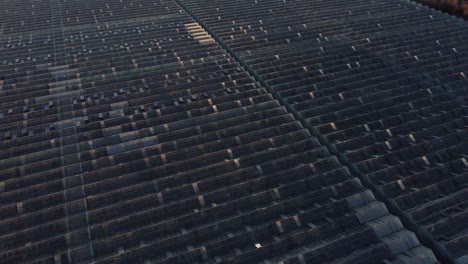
(130, 134)
(383, 81)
